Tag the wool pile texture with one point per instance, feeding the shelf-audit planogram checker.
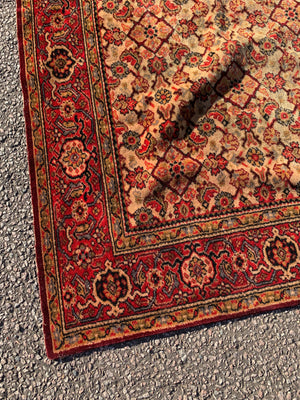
(163, 143)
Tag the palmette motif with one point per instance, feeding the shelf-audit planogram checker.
(165, 164)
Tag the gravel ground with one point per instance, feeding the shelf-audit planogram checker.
(252, 358)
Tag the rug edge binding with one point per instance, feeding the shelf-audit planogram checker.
(33, 185)
(172, 330)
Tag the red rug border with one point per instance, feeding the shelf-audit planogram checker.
(39, 257)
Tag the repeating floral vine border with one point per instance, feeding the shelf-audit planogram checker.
(59, 342)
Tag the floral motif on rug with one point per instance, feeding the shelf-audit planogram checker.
(163, 141)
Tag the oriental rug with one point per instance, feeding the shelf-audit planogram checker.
(163, 142)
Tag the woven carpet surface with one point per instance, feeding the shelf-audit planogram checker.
(164, 157)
